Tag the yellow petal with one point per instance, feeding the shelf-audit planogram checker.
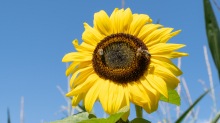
(117, 20)
(125, 116)
(76, 72)
(106, 96)
(119, 98)
(167, 37)
(171, 80)
(145, 92)
(121, 20)
(76, 56)
(92, 95)
(112, 88)
(153, 98)
(164, 47)
(102, 23)
(176, 54)
(85, 73)
(155, 106)
(158, 84)
(114, 20)
(127, 95)
(136, 96)
(152, 43)
(82, 48)
(80, 68)
(113, 98)
(170, 84)
(91, 35)
(84, 87)
(71, 68)
(127, 19)
(87, 46)
(167, 63)
(171, 54)
(163, 32)
(125, 102)
(86, 26)
(147, 107)
(84, 101)
(158, 34)
(138, 22)
(150, 90)
(76, 99)
(146, 30)
(150, 109)
(103, 95)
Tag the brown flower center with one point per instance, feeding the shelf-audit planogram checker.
(121, 58)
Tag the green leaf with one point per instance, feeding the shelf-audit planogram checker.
(216, 118)
(213, 33)
(84, 117)
(140, 120)
(74, 118)
(102, 120)
(188, 110)
(115, 117)
(174, 98)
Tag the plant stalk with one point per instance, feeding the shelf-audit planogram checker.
(139, 111)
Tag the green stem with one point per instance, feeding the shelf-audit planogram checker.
(69, 106)
(216, 118)
(139, 111)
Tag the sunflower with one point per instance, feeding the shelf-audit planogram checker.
(124, 58)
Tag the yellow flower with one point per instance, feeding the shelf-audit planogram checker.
(123, 60)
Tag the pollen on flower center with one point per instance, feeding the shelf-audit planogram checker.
(118, 55)
(121, 58)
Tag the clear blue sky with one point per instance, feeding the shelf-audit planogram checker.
(36, 34)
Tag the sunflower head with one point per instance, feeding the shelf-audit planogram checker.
(124, 58)
(120, 58)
